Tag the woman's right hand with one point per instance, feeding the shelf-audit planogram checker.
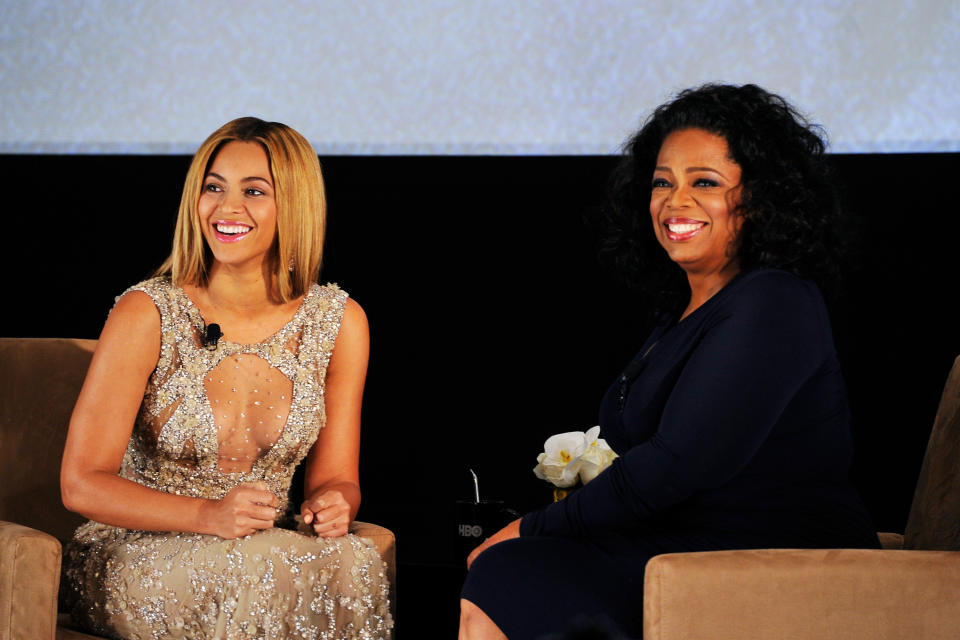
(509, 532)
(246, 508)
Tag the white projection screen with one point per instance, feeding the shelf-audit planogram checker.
(461, 77)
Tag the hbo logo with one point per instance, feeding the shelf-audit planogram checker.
(470, 531)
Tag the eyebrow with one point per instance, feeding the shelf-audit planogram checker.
(693, 170)
(247, 179)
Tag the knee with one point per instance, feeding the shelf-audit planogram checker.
(477, 625)
(468, 611)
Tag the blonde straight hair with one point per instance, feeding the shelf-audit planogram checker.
(301, 208)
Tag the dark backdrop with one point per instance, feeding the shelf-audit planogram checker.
(492, 325)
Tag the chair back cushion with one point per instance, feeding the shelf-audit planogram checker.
(40, 379)
(934, 522)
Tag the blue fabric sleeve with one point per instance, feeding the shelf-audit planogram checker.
(760, 348)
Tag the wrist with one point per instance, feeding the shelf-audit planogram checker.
(203, 516)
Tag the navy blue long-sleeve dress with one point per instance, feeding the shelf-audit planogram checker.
(734, 435)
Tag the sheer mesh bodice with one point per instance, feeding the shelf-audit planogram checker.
(250, 401)
(212, 419)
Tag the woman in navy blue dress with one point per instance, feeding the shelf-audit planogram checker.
(732, 422)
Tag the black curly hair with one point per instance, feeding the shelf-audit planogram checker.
(792, 216)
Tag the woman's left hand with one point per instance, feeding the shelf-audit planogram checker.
(512, 530)
(328, 513)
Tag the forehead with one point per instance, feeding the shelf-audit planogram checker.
(241, 156)
(695, 147)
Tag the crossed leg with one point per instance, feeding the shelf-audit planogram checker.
(476, 625)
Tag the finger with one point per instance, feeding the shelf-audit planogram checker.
(263, 513)
(333, 532)
(251, 526)
(257, 511)
(331, 512)
(324, 525)
(313, 504)
(309, 510)
(329, 498)
(258, 492)
(319, 526)
(267, 498)
(333, 524)
(263, 524)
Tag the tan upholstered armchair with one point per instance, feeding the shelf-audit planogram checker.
(39, 382)
(909, 589)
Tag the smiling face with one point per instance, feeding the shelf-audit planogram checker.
(237, 207)
(693, 202)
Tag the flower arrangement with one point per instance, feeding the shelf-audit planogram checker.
(571, 457)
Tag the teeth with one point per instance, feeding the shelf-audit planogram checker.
(684, 228)
(232, 228)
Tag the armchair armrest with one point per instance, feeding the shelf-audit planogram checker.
(890, 540)
(802, 594)
(29, 582)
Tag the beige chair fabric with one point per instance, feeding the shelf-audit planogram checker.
(29, 579)
(829, 594)
(934, 521)
(40, 379)
(806, 594)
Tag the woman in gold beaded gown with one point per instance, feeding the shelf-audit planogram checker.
(182, 445)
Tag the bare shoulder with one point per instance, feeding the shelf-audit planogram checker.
(132, 329)
(354, 317)
(134, 311)
(354, 329)
(138, 305)
(352, 346)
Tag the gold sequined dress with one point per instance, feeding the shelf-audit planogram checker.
(209, 421)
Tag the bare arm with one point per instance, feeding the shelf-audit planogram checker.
(332, 481)
(100, 429)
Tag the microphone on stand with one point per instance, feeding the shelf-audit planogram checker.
(211, 334)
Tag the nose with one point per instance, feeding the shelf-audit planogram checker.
(232, 201)
(679, 197)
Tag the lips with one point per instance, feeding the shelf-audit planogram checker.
(680, 229)
(230, 230)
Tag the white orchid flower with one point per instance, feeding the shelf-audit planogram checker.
(573, 456)
(597, 457)
(560, 463)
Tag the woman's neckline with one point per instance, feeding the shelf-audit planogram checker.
(720, 293)
(197, 317)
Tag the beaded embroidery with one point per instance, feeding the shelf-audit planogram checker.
(209, 421)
